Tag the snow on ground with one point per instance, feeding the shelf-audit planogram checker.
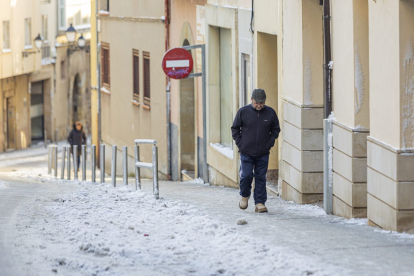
(101, 230)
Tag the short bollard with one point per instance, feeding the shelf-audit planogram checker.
(113, 166)
(93, 157)
(55, 160)
(45, 136)
(62, 173)
(75, 161)
(155, 171)
(49, 161)
(125, 163)
(83, 163)
(68, 162)
(102, 155)
(137, 169)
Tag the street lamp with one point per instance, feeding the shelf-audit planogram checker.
(81, 41)
(38, 42)
(71, 34)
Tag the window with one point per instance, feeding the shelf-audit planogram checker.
(105, 66)
(62, 14)
(246, 80)
(78, 18)
(6, 35)
(135, 56)
(28, 32)
(44, 27)
(63, 69)
(225, 88)
(104, 5)
(147, 79)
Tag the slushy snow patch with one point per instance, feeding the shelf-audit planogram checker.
(228, 152)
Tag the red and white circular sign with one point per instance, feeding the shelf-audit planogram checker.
(177, 63)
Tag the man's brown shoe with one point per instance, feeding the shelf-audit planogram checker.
(260, 208)
(244, 203)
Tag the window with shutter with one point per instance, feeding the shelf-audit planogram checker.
(105, 66)
(147, 79)
(135, 56)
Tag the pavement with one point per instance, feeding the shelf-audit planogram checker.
(350, 245)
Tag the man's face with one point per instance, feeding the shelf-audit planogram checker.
(258, 105)
(78, 126)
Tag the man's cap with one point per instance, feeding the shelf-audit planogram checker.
(259, 95)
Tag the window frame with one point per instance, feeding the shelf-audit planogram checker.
(28, 43)
(45, 27)
(62, 11)
(105, 47)
(6, 38)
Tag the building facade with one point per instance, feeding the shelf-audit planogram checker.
(134, 99)
(35, 93)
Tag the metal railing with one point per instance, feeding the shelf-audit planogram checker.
(153, 165)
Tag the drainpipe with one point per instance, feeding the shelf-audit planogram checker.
(327, 54)
(168, 85)
(327, 129)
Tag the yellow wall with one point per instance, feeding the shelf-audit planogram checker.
(384, 67)
(122, 121)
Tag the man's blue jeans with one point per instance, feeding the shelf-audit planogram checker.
(254, 167)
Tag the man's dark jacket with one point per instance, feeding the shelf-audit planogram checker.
(255, 131)
(77, 137)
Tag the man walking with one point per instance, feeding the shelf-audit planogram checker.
(255, 129)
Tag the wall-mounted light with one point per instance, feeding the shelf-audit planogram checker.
(38, 41)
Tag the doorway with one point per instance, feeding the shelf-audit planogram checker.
(37, 111)
(267, 79)
(187, 125)
(77, 100)
(11, 123)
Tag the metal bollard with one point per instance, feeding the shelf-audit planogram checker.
(62, 174)
(45, 136)
(125, 153)
(137, 169)
(102, 163)
(155, 171)
(83, 163)
(93, 157)
(56, 160)
(49, 161)
(56, 136)
(68, 169)
(75, 161)
(113, 166)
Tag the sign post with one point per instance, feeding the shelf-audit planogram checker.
(178, 64)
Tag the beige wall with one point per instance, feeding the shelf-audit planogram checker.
(246, 4)
(384, 67)
(351, 62)
(123, 121)
(12, 63)
(137, 8)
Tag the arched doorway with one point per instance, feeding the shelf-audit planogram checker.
(77, 100)
(187, 124)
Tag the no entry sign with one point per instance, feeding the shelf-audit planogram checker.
(177, 63)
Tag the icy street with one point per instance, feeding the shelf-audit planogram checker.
(55, 227)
